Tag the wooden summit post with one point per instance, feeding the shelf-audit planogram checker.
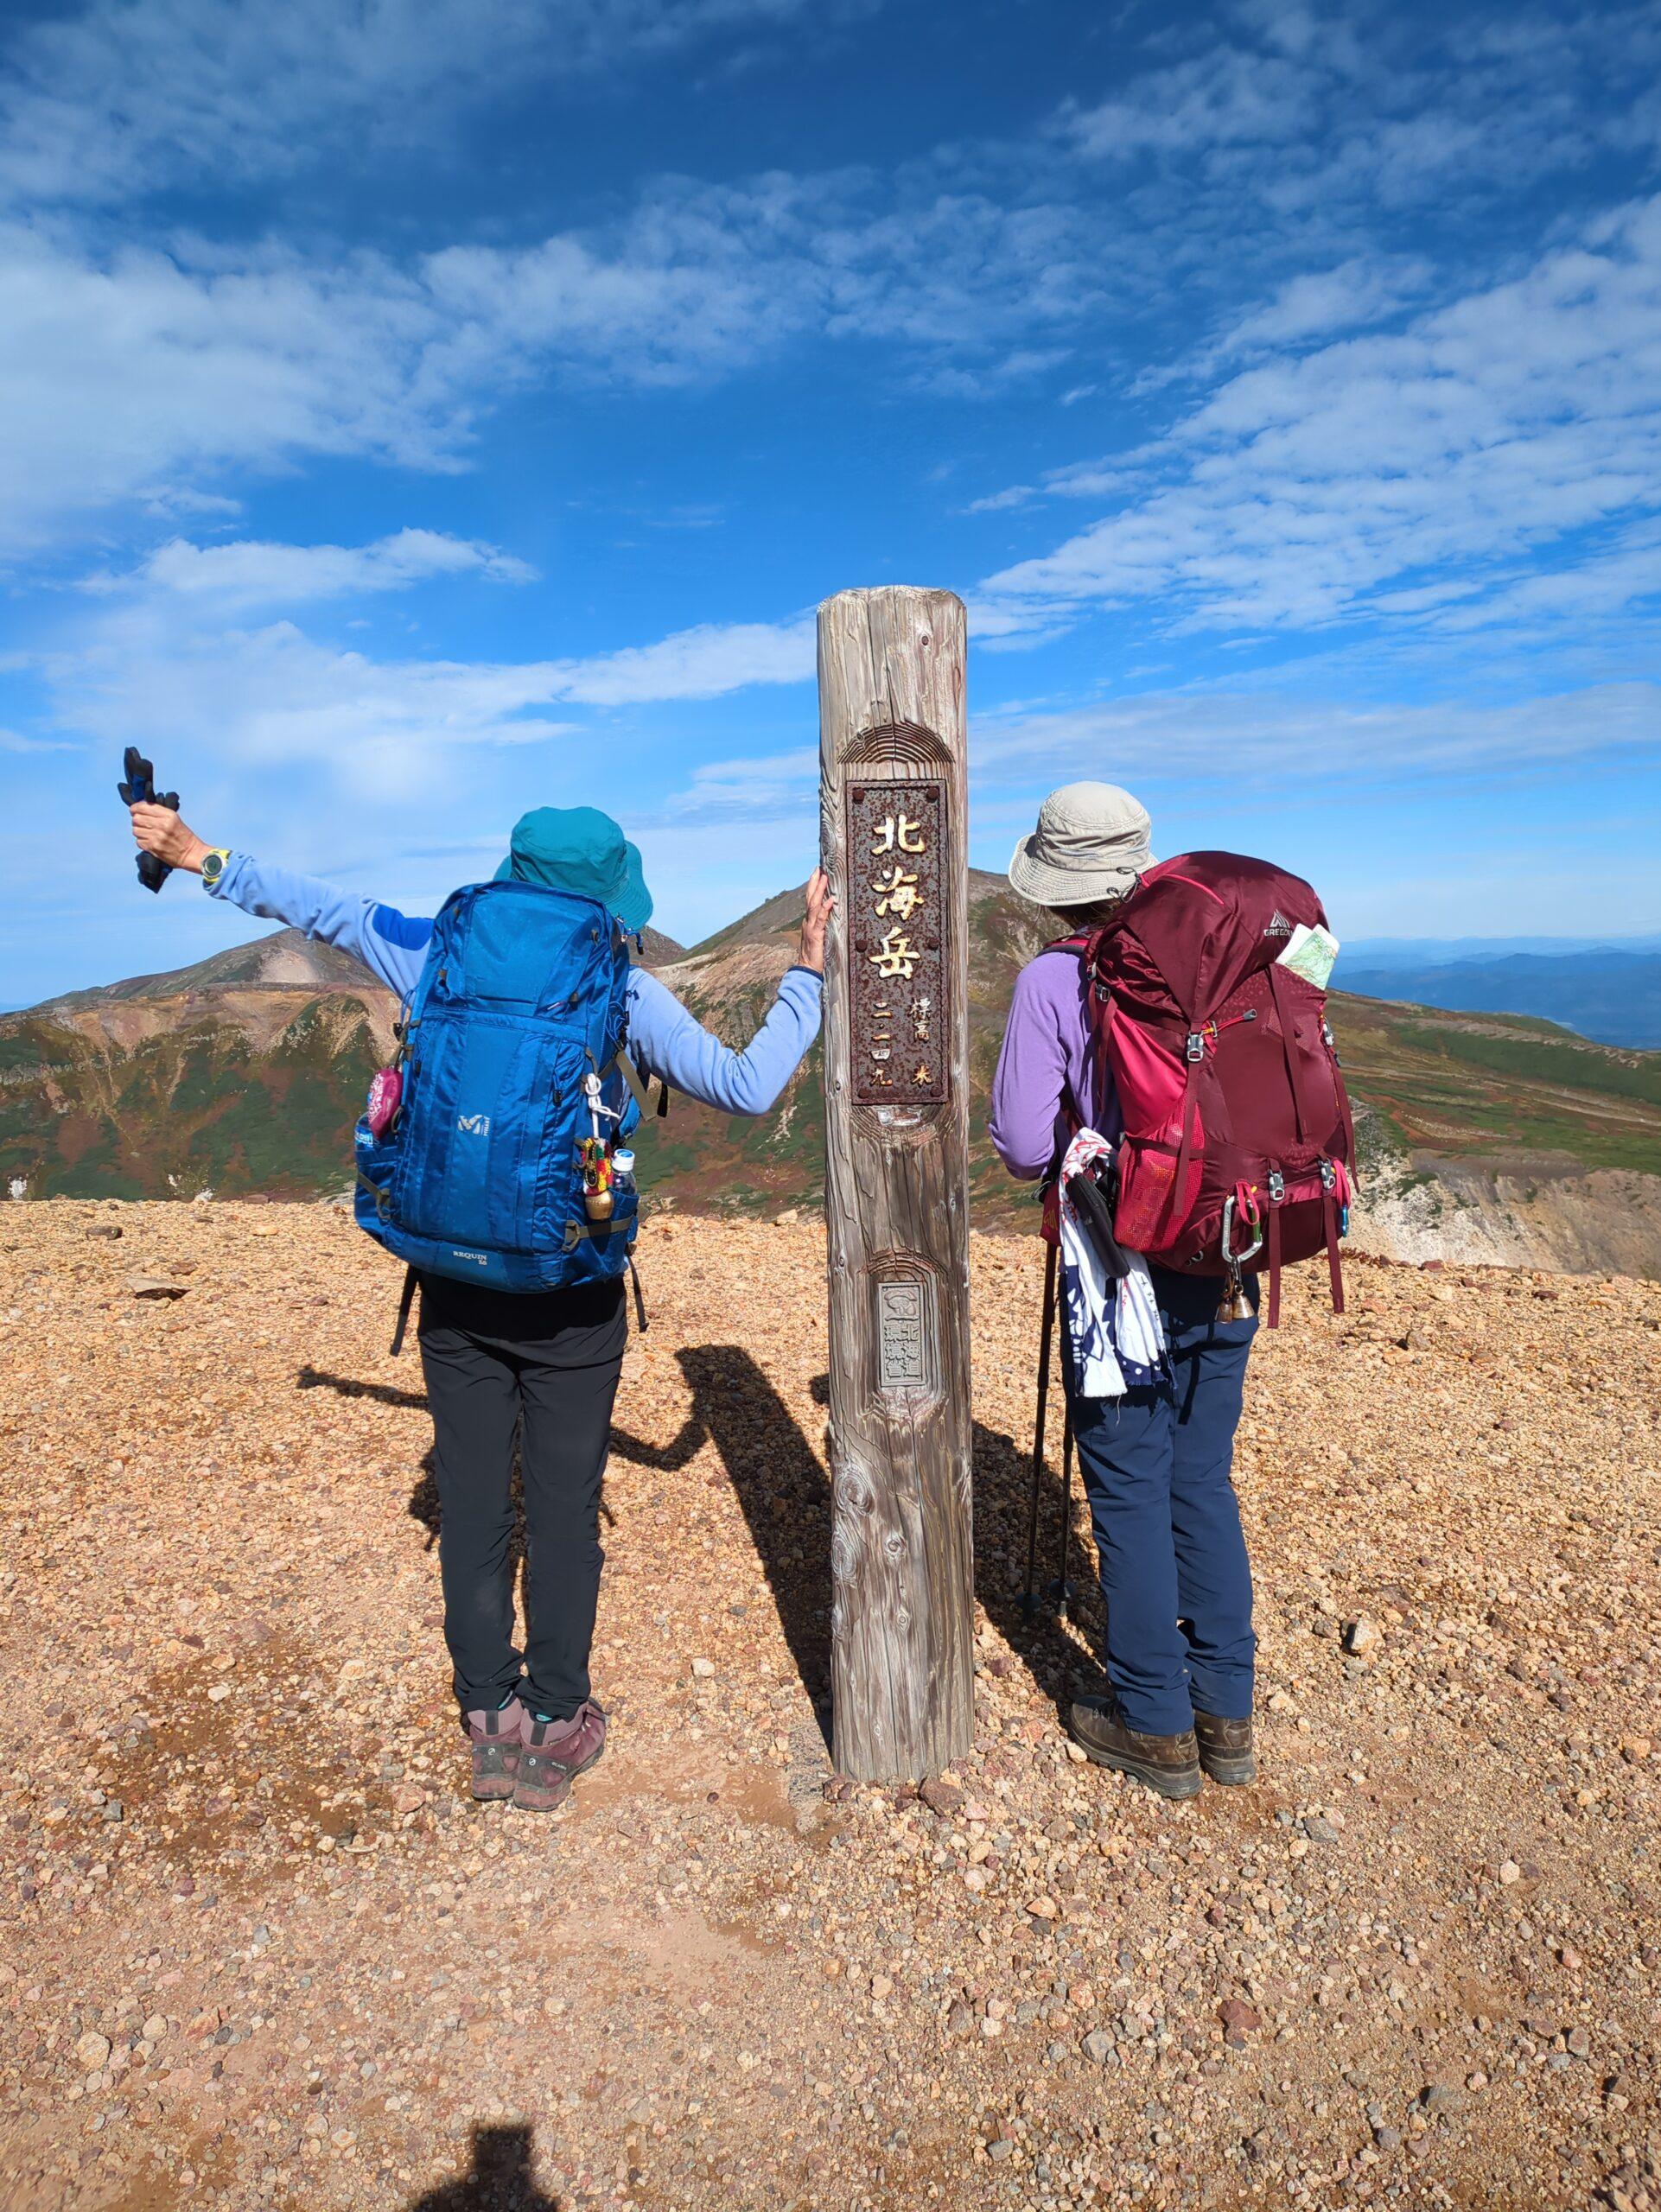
(893, 836)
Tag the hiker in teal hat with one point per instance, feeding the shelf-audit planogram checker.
(578, 848)
(540, 1365)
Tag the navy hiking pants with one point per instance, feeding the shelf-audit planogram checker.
(1175, 1572)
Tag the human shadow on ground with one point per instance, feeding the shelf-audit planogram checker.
(348, 1386)
(785, 1495)
(781, 1487)
(501, 2179)
(1001, 1485)
(423, 1497)
(1002, 1488)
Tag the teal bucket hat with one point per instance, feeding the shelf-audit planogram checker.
(577, 849)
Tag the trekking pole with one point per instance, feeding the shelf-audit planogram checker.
(1029, 1601)
(1061, 1589)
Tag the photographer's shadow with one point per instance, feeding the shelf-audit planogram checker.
(501, 2180)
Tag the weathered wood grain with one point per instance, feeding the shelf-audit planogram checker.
(891, 709)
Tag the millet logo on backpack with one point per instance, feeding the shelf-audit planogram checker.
(474, 1125)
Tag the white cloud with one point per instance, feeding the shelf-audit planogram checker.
(135, 373)
(1318, 302)
(1232, 739)
(121, 371)
(250, 573)
(147, 674)
(126, 94)
(770, 786)
(1304, 487)
(1228, 96)
(696, 663)
(13, 740)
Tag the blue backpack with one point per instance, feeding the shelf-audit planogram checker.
(478, 1177)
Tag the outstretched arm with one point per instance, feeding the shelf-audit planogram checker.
(393, 946)
(668, 1041)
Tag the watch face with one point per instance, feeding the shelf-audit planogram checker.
(213, 868)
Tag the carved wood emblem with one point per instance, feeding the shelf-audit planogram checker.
(896, 836)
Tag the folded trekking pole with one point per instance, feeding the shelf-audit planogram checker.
(1061, 1589)
(1029, 1601)
(139, 789)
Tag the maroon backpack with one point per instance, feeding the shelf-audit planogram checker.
(1238, 1144)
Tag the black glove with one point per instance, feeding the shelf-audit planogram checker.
(139, 789)
(1095, 1192)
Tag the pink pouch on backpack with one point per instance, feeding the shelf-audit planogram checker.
(385, 1096)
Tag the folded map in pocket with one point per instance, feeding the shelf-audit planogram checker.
(1310, 953)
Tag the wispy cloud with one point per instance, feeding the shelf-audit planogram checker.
(153, 675)
(1304, 487)
(697, 664)
(768, 787)
(130, 94)
(12, 740)
(130, 373)
(250, 573)
(1232, 739)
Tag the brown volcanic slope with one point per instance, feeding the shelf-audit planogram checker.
(242, 1074)
(258, 1953)
(1494, 1138)
(1486, 1137)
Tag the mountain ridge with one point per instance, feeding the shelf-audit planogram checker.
(1485, 1136)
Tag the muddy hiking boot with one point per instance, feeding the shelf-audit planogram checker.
(1169, 1765)
(1225, 1748)
(553, 1753)
(496, 1737)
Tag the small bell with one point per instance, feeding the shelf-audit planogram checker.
(1235, 1306)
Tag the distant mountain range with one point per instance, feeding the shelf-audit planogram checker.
(1611, 993)
(1493, 1135)
(1439, 952)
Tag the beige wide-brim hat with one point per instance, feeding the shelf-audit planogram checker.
(1091, 843)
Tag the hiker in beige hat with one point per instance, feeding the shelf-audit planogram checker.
(1154, 1441)
(1090, 850)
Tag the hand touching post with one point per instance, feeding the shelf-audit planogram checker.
(820, 900)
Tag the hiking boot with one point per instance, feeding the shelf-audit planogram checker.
(495, 1737)
(552, 1753)
(1169, 1765)
(1225, 1748)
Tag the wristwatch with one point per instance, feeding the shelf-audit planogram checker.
(214, 865)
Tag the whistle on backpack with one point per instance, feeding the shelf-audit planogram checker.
(138, 789)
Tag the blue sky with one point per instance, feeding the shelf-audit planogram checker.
(421, 410)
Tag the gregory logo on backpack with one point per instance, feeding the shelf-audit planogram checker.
(474, 1125)
(1277, 925)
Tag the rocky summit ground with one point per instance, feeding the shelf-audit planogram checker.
(257, 1948)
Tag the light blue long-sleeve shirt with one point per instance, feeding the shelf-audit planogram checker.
(664, 1039)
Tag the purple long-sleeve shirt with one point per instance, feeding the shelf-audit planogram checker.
(1045, 1081)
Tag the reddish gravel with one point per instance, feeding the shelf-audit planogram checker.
(258, 1950)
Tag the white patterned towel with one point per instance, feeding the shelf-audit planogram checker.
(1118, 1343)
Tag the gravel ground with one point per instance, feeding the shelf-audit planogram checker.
(256, 1948)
